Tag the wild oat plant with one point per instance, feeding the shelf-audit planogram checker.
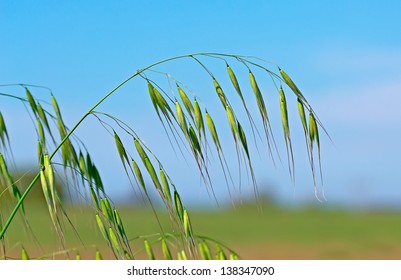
(191, 131)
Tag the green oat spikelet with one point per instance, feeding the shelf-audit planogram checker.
(82, 164)
(233, 257)
(46, 192)
(263, 113)
(121, 150)
(215, 137)
(284, 112)
(213, 131)
(42, 116)
(153, 97)
(152, 173)
(50, 194)
(41, 133)
(31, 101)
(234, 81)
(166, 250)
(312, 128)
(102, 228)
(141, 152)
(204, 250)
(98, 256)
(181, 118)
(40, 153)
(302, 116)
(24, 255)
(162, 103)
(186, 101)
(178, 205)
(301, 111)
(97, 179)
(220, 253)
(56, 108)
(182, 256)
(291, 85)
(259, 98)
(138, 175)
(149, 250)
(94, 197)
(3, 131)
(83, 168)
(232, 122)
(120, 227)
(314, 137)
(106, 208)
(49, 174)
(165, 185)
(220, 92)
(194, 141)
(187, 224)
(67, 150)
(242, 138)
(200, 126)
(286, 131)
(114, 242)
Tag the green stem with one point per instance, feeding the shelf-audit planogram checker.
(21, 200)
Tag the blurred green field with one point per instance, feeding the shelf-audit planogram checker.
(273, 233)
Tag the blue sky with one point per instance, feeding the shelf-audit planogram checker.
(344, 55)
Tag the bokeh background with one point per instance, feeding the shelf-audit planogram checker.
(344, 55)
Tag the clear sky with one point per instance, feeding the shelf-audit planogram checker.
(344, 55)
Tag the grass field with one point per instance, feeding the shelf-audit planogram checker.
(272, 233)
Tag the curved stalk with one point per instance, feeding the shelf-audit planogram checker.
(138, 72)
